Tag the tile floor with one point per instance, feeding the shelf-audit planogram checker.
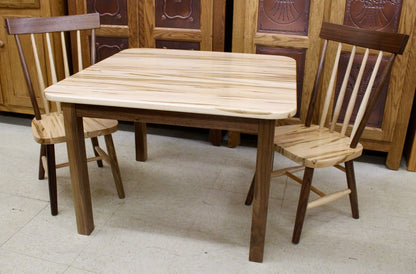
(184, 213)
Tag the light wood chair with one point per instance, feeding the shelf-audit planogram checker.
(335, 140)
(48, 128)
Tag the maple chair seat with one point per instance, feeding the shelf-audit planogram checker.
(313, 146)
(50, 129)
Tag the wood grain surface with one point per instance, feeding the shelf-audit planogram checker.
(215, 83)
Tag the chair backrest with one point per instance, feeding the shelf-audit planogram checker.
(348, 39)
(45, 26)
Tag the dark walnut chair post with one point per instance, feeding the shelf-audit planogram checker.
(48, 127)
(335, 140)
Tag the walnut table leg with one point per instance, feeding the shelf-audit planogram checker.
(140, 132)
(264, 168)
(78, 166)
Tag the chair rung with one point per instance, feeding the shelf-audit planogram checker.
(328, 198)
(92, 159)
(281, 172)
(103, 154)
(340, 167)
(299, 180)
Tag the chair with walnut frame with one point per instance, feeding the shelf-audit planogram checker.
(48, 128)
(333, 141)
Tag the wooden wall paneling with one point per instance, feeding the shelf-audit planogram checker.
(14, 93)
(119, 25)
(181, 21)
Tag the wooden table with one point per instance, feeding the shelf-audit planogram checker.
(214, 90)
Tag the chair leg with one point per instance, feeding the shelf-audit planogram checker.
(349, 170)
(250, 194)
(114, 165)
(53, 196)
(94, 141)
(140, 139)
(303, 203)
(41, 174)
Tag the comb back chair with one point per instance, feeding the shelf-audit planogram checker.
(335, 140)
(48, 127)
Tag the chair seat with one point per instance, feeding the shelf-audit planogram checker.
(50, 129)
(313, 146)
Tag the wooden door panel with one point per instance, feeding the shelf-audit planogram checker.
(119, 25)
(177, 45)
(183, 14)
(376, 15)
(107, 46)
(112, 12)
(187, 21)
(284, 16)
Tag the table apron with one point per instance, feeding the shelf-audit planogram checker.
(246, 125)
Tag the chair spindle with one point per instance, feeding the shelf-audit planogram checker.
(80, 65)
(330, 90)
(52, 65)
(92, 46)
(364, 101)
(39, 73)
(64, 54)
(341, 94)
(314, 95)
(354, 93)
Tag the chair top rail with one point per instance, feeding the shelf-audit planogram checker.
(53, 24)
(385, 41)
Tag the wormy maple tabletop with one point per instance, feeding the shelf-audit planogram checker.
(217, 83)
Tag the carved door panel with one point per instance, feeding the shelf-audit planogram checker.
(119, 24)
(282, 27)
(390, 117)
(180, 24)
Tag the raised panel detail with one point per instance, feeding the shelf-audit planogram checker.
(376, 117)
(380, 15)
(107, 46)
(178, 13)
(177, 45)
(284, 16)
(297, 54)
(112, 12)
